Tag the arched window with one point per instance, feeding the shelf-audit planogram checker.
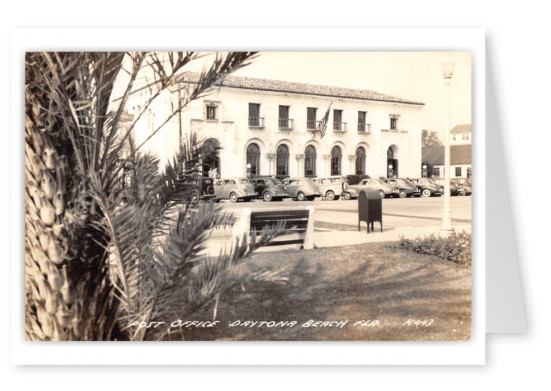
(282, 163)
(310, 161)
(336, 158)
(360, 161)
(253, 158)
(210, 156)
(392, 162)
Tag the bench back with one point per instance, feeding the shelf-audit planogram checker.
(299, 222)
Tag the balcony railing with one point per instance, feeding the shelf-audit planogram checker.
(256, 122)
(339, 126)
(364, 128)
(285, 123)
(312, 125)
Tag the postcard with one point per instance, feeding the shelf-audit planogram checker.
(232, 196)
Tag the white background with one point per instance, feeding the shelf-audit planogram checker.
(518, 52)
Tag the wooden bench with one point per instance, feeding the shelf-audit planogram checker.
(299, 222)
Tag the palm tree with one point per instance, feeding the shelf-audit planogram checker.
(107, 244)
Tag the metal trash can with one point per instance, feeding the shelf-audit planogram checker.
(370, 208)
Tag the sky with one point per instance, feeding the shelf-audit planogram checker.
(413, 75)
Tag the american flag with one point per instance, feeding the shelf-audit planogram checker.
(322, 126)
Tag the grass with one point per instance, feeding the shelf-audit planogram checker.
(375, 281)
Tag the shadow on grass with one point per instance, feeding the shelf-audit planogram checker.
(366, 282)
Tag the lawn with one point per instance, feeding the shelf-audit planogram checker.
(399, 295)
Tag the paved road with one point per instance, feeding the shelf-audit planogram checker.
(342, 215)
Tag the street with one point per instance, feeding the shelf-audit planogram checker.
(397, 212)
(336, 222)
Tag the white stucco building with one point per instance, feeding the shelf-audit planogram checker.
(269, 124)
(461, 135)
(460, 154)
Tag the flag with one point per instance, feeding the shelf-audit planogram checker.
(322, 126)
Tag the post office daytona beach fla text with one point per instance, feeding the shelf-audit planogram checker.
(271, 126)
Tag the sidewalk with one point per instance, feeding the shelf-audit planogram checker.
(221, 239)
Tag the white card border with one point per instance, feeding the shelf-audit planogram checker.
(245, 353)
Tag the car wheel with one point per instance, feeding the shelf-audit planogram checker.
(233, 197)
(267, 197)
(426, 193)
(301, 196)
(382, 193)
(330, 195)
(346, 196)
(194, 198)
(402, 194)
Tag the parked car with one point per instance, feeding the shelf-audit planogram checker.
(454, 186)
(405, 187)
(466, 186)
(193, 189)
(234, 189)
(385, 189)
(301, 189)
(331, 187)
(428, 186)
(269, 188)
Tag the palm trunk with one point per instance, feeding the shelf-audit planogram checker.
(66, 294)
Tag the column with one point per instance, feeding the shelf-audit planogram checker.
(300, 158)
(271, 157)
(325, 159)
(352, 160)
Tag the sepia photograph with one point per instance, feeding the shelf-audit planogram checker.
(248, 196)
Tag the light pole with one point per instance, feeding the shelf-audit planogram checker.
(249, 171)
(390, 173)
(424, 170)
(447, 228)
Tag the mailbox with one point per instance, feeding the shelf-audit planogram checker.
(370, 208)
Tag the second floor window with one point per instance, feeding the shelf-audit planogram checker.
(284, 121)
(254, 115)
(361, 121)
(211, 112)
(311, 118)
(394, 122)
(337, 120)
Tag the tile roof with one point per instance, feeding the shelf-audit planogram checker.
(459, 154)
(461, 129)
(250, 83)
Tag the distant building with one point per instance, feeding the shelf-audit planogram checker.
(460, 154)
(270, 125)
(461, 135)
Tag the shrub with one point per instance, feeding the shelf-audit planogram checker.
(456, 248)
(355, 179)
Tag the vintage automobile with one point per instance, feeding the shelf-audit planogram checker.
(454, 186)
(301, 189)
(234, 189)
(192, 189)
(405, 187)
(428, 186)
(269, 188)
(385, 189)
(331, 187)
(465, 186)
